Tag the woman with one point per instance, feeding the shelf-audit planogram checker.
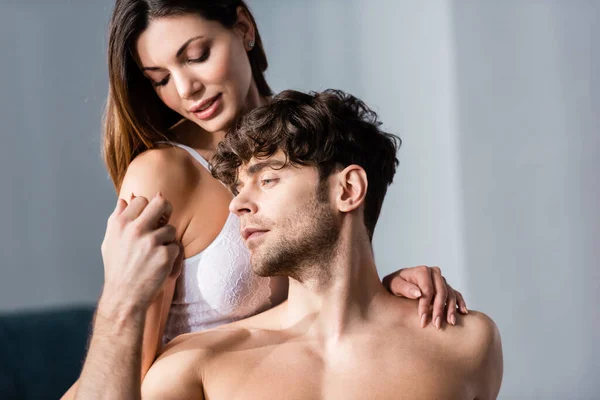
(180, 74)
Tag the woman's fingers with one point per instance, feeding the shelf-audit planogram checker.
(451, 305)
(460, 301)
(402, 288)
(441, 295)
(436, 297)
(425, 280)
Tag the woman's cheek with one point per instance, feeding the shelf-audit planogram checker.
(171, 99)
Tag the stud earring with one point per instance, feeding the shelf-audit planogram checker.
(251, 44)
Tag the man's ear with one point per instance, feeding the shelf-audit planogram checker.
(245, 28)
(352, 182)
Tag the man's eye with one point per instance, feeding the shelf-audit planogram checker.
(268, 181)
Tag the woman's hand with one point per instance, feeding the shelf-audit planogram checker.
(436, 296)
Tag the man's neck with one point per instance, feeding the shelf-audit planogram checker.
(328, 305)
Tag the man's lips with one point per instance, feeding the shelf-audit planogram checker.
(250, 233)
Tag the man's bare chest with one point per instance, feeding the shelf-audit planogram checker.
(294, 371)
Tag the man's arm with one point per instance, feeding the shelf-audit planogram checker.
(112, 368)
(156, 315)
(139, 253)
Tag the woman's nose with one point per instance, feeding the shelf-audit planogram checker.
(187, 85)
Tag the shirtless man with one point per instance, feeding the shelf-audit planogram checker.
(310, 172)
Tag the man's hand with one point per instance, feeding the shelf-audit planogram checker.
(139, 253)
(429, 286)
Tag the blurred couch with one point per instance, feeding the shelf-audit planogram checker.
(42, 352)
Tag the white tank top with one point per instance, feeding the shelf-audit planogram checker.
(217, 285)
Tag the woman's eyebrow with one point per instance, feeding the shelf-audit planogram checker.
(178, 54)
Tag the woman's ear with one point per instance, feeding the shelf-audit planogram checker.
(353, 184)
(245, 28)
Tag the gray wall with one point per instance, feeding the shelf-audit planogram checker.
(55, 192)
(529, 122)
(497, 105)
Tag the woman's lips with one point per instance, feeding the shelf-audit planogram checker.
(210, 111)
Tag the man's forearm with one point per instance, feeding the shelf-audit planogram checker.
(113, 363)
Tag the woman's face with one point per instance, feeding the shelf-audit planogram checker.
(199, 68)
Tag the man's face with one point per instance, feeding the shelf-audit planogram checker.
(286, 218)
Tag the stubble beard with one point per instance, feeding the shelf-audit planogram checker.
(306, 246)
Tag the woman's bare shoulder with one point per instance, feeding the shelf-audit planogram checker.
(166, 169)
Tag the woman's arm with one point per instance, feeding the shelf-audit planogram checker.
(156, 319)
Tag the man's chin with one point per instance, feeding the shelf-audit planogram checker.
(263, 271)
(262, 267)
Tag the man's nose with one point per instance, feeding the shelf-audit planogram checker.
(243, 203)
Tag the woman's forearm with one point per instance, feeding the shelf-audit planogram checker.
(156, 319)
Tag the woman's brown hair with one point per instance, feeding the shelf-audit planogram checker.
(135, 118)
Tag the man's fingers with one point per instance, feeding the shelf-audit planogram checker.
(156, 214)
(165, 234)
(135, 208)
(441, 295)
(119, 207)
(178, 264)
(173, 253)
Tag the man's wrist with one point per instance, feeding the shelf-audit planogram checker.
(113, 363)
(119, 316)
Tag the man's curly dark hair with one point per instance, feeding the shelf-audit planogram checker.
(329, 130)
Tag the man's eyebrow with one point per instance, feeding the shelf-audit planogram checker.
(259, 166)
(178, 54)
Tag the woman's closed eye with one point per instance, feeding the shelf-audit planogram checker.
(163, 82)
(202, 57)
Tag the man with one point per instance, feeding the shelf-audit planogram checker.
(310, 172)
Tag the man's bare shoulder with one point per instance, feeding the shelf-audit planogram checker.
(472, 336)
(478, 347)
(206, 345)
(477, 332)
(177, 372)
